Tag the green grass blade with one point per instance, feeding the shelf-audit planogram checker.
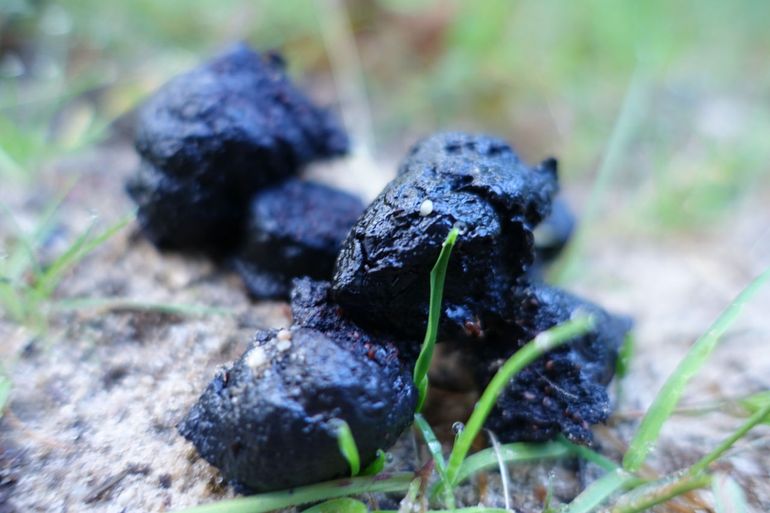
(5, 391)
(348, 447)
(624, 356)
(728, 495)
(665, 402)
(78, 250)
(755, 402)
(11, 300)
(29, 244)
(437, 277)
(759, 416)
(525, 452)
(589, 455)
(47, 221)
(659, 492)
(541, 344)
(9, 166)
(622, 365)
(271, 501)
(22, 255)
(598, 492)
(376, 466)
(625, 126)
(411, 501)
(344, 505)
(48, 278)
(434, 446)
(81, 247)
(472, 509)
(517, 452)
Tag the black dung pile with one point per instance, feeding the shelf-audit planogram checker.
(221, 149)
(216, 143)
(493, 301)
(353, 340)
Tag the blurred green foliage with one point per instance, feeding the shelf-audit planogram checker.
(550, 76)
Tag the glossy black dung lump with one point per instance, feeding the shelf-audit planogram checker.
(294, 229)
(210, 138)
(474, 182)
(270, 421)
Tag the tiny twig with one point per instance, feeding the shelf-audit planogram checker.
(101, 491)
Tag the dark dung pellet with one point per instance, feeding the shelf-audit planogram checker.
(237, 114)
(268, 422)
(474, 182)
(213, 136)
(294, 229)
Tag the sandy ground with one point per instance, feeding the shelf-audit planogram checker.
(91, 423)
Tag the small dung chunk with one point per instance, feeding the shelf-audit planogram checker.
(294, 229)
(312, 306)
(269, 422)
(474, 182)
(565, 390)
(183, 215)
(212, 137)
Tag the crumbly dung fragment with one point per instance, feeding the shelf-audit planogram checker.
(268, 422)
(312, 306)
(216, 135)
(474, 182)
(294, 229)
(565, 390)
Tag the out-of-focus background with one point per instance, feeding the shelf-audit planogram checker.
(549, 76)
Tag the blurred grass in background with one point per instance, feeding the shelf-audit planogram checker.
(549, 76)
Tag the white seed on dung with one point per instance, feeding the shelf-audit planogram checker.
(256, 359)
(426, 208)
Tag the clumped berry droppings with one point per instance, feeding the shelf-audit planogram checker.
(210, 138)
